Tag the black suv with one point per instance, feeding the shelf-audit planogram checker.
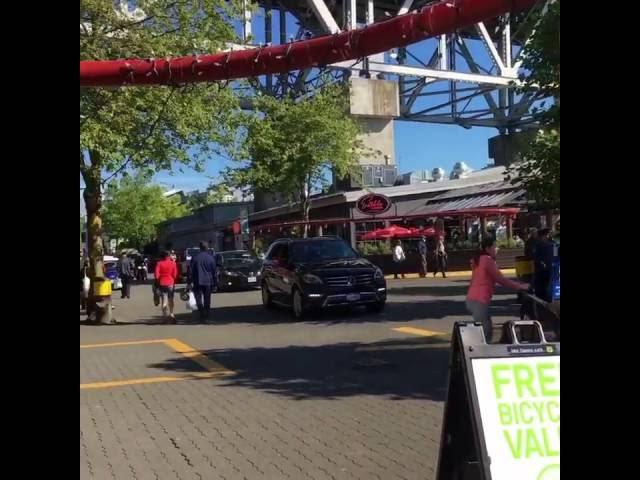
(316, 273)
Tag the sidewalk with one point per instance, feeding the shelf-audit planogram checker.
(510, 272)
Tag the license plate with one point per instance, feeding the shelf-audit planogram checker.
(252, 279)
(353, 297)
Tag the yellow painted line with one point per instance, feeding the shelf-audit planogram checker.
(214, 369)
(195, 355)
(418, 331)
(141, 381)
(121, 344)
(136, 381)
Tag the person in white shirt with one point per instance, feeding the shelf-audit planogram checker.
(398, 258)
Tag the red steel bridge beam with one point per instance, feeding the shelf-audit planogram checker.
(432, 20)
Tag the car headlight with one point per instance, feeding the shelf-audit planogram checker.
(378, 275)
(312, 279)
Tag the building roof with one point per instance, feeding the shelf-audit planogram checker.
(478, 178)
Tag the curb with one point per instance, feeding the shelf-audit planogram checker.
(467, 273)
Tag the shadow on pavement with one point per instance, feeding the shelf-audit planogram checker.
(396, 312)
(431, 290)
(399, 369)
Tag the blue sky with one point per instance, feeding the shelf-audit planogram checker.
(418, 145)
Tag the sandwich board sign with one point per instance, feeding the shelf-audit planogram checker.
(502, 416)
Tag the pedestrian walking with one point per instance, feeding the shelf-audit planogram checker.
(202, 274)
(441, 258)
(398, 257)
(485, 275)
(166, 273)
(126, 274)
(422, 250)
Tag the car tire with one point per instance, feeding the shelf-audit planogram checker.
(297, 304)
(267, 302)
(377, 307)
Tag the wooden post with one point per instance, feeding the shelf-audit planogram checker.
(463, 228)
(509, 228)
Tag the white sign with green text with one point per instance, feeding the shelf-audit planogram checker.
(519, 400)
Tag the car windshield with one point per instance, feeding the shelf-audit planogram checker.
(319, 251)
(237, 259)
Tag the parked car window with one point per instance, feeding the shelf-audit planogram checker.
(280, 251)
(318, 251)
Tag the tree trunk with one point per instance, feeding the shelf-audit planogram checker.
(305, 218)
(93, 203)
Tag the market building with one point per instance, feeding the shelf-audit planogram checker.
(482, 198)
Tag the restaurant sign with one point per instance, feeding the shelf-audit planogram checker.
(373, 204)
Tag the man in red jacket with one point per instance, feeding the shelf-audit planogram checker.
(166, 273)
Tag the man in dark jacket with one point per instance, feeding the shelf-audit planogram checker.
(422, 250)
(202, 273)
(125, 272)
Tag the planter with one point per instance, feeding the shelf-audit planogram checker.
(458, 261)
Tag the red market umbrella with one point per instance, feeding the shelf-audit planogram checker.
(418, 232)
(385, 233)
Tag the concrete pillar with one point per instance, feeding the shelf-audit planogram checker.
(319, 231)
(509, 227)
(375, 103)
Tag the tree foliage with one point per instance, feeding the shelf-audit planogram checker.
(539, 170)
(292, 146)
(133, 207)
(149, 128)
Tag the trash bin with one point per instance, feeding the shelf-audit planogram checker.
(524, 268)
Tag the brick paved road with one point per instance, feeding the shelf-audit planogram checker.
(338, 396)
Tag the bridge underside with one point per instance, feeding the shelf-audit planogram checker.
(467, 78)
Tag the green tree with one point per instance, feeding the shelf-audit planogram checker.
(539, 170)
(291, 146)
(149, 128)
(133, 207)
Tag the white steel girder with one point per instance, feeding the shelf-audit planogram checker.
(466, 78)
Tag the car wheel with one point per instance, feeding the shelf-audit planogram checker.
(297, 305)
(377, 307)
(266, 296)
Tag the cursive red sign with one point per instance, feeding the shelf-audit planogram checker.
(373, 204)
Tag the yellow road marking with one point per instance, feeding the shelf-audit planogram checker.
(140, 381)
(418, 331)
(121, 344)
(195, 355)
(214, 369)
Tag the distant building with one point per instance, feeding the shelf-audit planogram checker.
(213, 223)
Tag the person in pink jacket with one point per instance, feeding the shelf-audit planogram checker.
(485, 275)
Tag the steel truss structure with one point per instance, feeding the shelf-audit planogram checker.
(467, 78)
